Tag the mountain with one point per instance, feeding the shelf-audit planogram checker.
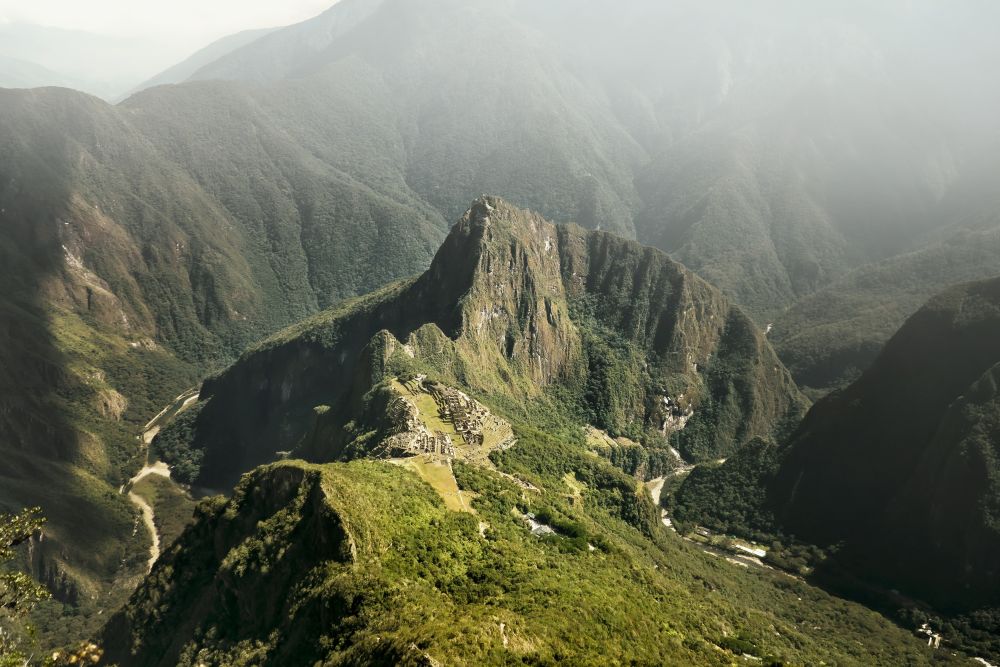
(465, 517)
(16, 73)
(125, 280)
(772, 152)
(363, 563)
(102, 65)
(828, 338)
(914, 439)
(512, 307)
(898, 471)
(185, 69)
(146, 244)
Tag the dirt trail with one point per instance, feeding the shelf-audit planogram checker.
(147, 518)
(160, 468)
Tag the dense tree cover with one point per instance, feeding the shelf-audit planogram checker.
(144, 244)
(174, 446)
(511, 306)
(730, 497)
(649, 458)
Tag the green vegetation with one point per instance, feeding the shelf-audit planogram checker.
(381, 563)
(439, 475)
(830, 337)
(363, 562)
(914, 440)
(618, 351)
(145, 245)
(172, 507)
(731, 497)
(173, 446)
(18, 592)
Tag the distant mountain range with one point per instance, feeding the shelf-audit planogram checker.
(186, 69)
(16, 73)
(97, 64)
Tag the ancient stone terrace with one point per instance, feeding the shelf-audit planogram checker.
(432, 418)
(468, 416)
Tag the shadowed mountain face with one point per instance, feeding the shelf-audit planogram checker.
(899, 469)
(513, 305)
(902, 465)
(125, 279)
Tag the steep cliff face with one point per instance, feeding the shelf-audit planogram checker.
(949, 511)
(510, 306)
(705, 366)
(902, 465)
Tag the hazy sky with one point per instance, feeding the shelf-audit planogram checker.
(183, 22)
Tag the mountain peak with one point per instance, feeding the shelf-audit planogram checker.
(511, 305)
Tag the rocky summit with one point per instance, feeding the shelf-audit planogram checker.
(517, 310)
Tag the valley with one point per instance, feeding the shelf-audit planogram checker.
(141, 495)
(709, 375)
(469, 452)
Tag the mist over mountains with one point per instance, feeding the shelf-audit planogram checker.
(662, 192)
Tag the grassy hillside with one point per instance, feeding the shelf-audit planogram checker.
(362, 563)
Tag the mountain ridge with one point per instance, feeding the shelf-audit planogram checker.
(913, 440)
(504, 311)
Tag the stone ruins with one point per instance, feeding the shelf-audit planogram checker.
(469, 418)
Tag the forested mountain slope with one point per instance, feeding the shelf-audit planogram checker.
(145, 244)
(771, 151)
(914, 439)
(466, 518)
(511, 306)
(897, 472)
(828, 338)
(125, 280)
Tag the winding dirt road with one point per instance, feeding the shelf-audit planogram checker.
(160, 468)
